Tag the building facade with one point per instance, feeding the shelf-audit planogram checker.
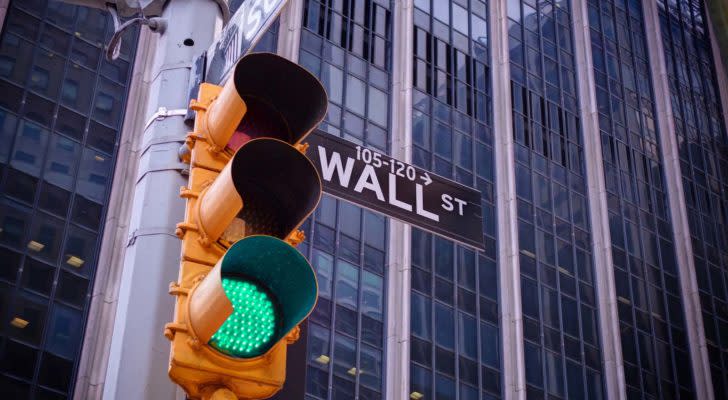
(595, 131)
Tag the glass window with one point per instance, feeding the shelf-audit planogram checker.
(38, 276)
(441, 10)
(65, 331)
(46, 73)
(62, 161)
(372, 293)
(27, 318)
(55, 372)
(468, 335)
(370, 373)
(15, 58)
(101, 137)
(13, 222)
(72, 289)
(344, 356)
(350, 219)
(378, 106)
(19, 360)
(347, 282)
(93, 175)
(459, 19)
(421, 316)
(45, 237)
(355, 93)
(333, 80)
(421, 381)
(107, 104)
(445, 323)
(29, 148)
(78, 89)
(324, 265)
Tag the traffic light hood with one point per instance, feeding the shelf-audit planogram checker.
(283, 89)
(279, 186)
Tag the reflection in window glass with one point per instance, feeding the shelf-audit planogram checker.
(62, 160)
(324, 265)
(45, 237)
(372, 292)
(355, 93)
(93, 175)
(78, 89)
(347, 282)
(29, 148)
(65, 331)
(13, 221)
(370, 373)
(27, 318)
(107, 107)
(80, 249)
(344, 355)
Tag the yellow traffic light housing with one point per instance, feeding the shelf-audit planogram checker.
(243, 288)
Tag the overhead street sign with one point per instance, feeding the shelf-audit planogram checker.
(410, 194)
(240, 35)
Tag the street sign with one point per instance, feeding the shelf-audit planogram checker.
(410, 194)
(240, 35)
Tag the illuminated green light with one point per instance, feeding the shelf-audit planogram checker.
(251, 326)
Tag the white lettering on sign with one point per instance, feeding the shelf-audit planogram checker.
(368, 180)
(252, 15)
(448, 206)
(335, 169)
(335, 164)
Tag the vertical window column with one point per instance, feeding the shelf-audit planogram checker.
(611, 346)
(696, 165)
(399, 273)
(511, 315)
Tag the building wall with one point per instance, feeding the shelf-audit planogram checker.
(61, 115)
(584, 288)
(702, 143)
(348, 46)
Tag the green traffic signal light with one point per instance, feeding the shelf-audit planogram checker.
(254, 321)
(256, 294)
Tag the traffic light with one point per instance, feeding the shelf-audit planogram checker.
(243, 288)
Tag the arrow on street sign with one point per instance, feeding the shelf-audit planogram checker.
(410, 194)
(241, 34)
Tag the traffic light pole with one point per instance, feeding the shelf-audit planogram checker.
(139, 354)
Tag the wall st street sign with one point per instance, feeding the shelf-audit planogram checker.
(240, 35)
(410, 194)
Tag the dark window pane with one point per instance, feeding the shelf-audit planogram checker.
(55, 372)
(72, 289)
(45, 237)
(13, 222)
(64, 335)
(27, 317)
(54, 199)
(71, 124)
(10, 264)
(62, 161)
(101, 137)
(19, 360)
(38, 276)
(21, 185)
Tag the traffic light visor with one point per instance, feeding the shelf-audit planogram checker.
(279, 94)
(267, 287)
(278, 184)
